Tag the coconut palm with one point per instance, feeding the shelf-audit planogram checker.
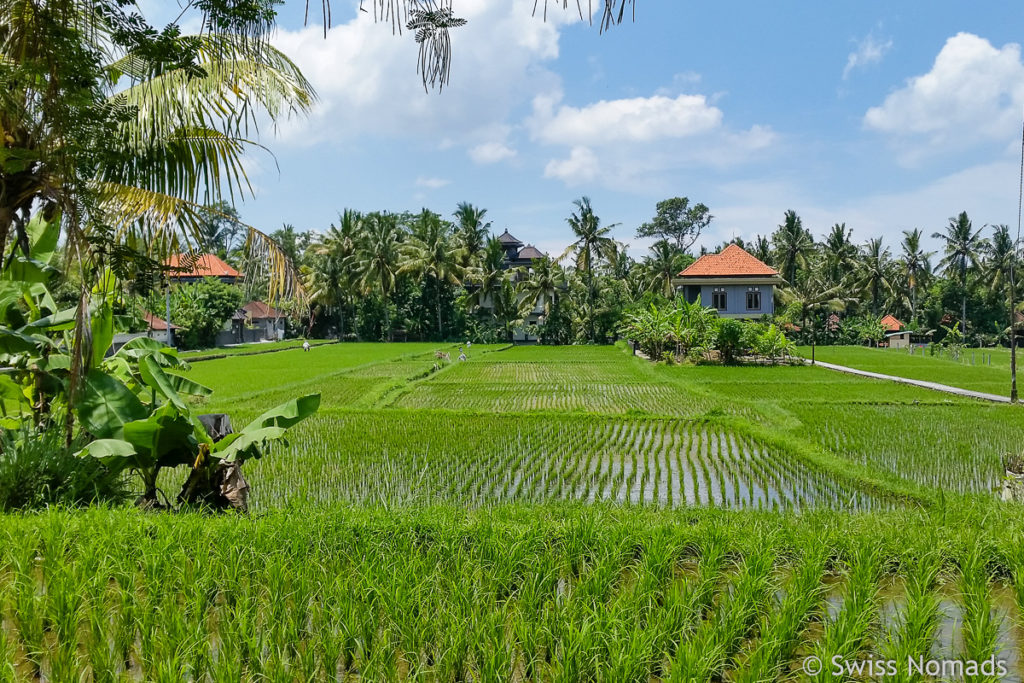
(664, 263)
(330, 281)
(874, 272)
(432, 251)
(545, 283)
(1000, 259)
(915, 265)
(378, 258)
(839, 252)
(962, 255)
(471, 231)
(592, 243)
(792, 245)
(810, 297)
(487, 277)
(762, 249)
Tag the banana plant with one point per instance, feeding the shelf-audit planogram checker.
(172, 435)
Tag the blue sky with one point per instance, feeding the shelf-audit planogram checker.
(885, 116)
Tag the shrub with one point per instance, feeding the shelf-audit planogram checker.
(37, 470)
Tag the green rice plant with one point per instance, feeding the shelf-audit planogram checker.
(981, 623)
(913, 630)
(780, 631)
(847, 634)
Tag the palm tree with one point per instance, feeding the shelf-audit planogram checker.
(915, 264)
(962, 246)
(808, 298)
(471, 232)
(1001, 259)
(792, 245)
(762, 249)
(487, 277)
(874, 272)
(592, 242)
(839, 252)
(431, 251)
(378, 258)
(545, 282)
(330, 281)
(664, 264)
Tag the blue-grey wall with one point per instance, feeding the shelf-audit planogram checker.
(736, 298)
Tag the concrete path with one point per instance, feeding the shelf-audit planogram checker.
(917, 383)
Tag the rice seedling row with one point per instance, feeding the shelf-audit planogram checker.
(427, 457)
(362, 596)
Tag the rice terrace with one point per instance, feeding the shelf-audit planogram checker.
(511, 341)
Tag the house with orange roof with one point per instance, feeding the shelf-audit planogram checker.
(733, 282)
(186, 268)
(897, 336)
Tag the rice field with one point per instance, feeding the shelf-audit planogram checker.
(546, 515)
(415, 459)
(514, 594)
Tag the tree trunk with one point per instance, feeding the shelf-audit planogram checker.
(440, 332)
(387, 320)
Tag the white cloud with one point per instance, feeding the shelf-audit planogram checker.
(638, 119)
(639, 143)
(581, 167)
(431, 183)
(367, 83)
(869, 51)
(491, 152)
(973, 93)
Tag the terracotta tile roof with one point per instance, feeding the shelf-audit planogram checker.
(257, 310)
(157, 324)
(203, 265)
(891, 324)
(732, 261)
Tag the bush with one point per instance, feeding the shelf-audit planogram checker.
(202, 308)
(36, 471)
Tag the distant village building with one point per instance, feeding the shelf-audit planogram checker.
(896, 334)
(733, 282)
(185, 268)
(254, 322)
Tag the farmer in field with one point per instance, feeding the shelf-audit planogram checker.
(305, 346)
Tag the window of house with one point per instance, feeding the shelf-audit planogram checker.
(753, 299)
(719, 300)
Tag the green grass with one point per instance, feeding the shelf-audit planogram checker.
(971, 371)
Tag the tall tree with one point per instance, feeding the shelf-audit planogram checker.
(330, 280)
(1000, 260)
(592, 242)
(839, 251)
(808, 299)
(544, 283)
(874, 272)
(915, 265)
(677, 222)
(962, 250)
(471, 231)
(792, 244)
(379, 259)
(432, 252)
(662, 265)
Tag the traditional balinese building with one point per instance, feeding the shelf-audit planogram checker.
(519, 255)
(733, 282)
